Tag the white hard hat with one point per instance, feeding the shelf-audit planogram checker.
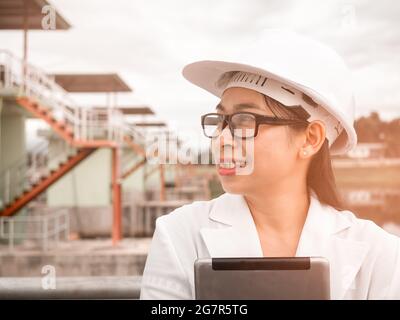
(297, 68)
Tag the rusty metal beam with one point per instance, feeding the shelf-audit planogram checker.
(116, 197)
(135, 167)
(162, 182)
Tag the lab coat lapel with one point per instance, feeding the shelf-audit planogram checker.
(235, 235)
(321, 236)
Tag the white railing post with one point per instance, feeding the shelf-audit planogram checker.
(56, 227)
(76, 124)
(66, 224)
(45, 234)
(109, 127)
(84, 123)
(11, 234)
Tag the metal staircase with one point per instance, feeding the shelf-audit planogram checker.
(83, 130)
(21, 185)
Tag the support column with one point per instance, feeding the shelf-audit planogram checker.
(116, 197)
(162, 182)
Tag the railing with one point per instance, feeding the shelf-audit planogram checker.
(43, 228)
(112, 287)
(86, 123)
(30, 169)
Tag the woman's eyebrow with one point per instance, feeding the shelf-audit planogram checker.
(238, 106)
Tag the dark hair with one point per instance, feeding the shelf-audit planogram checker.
(320, 177)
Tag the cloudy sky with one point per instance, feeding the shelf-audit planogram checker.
(148, 42)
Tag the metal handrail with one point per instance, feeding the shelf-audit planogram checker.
(33, 82)
(59, 220)
(36, 149)
(87, 124)
(15, 180)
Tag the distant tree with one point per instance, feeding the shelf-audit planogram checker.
(369, 128)
(392, 138)
(372, 129)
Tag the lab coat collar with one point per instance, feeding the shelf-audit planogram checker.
(236, 236)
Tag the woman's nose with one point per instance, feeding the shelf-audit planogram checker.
(226, 136)
(222, 141)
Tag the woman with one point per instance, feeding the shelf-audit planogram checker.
(285, 106)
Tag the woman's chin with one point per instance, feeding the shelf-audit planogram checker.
(233, 186)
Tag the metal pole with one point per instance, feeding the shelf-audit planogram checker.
(146, 213)
(116, 197)
(11, 235)
(7, 187)
(162, 183)
(1, 227)
(66, 216)
(44, 235)
(57, 228)
(26, 26)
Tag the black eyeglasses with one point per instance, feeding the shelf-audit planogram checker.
(242, 125)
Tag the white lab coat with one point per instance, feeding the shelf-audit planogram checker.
(364, 259)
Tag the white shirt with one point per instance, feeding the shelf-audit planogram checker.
(364, 259)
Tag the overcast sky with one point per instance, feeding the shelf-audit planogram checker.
(148, 43)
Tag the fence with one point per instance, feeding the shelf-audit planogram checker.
(43, 228)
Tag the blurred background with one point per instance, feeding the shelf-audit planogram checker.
(87, 86)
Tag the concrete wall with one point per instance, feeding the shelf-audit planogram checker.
(72, 264)
(12, 142)
(12, 135)
(87, 185)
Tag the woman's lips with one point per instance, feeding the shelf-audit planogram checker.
(226, 172)
(228, 167)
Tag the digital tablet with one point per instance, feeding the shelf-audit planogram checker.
(294, 278)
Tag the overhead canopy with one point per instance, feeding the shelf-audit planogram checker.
(12, 15)
(105, 82)
(132, 110)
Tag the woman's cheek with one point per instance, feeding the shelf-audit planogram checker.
(268, 158)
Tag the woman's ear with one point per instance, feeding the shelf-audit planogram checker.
(313, 140)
